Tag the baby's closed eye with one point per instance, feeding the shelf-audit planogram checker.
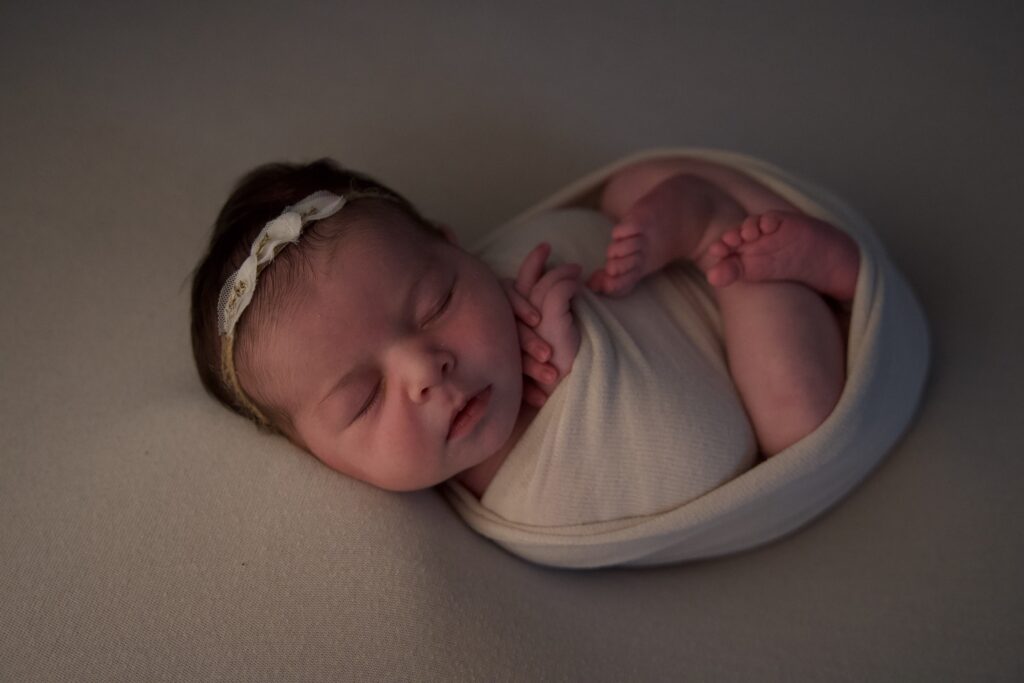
(372, 401)
(443, 305)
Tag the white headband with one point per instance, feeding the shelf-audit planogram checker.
(237, 291)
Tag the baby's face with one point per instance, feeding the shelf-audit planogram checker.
(378, 349)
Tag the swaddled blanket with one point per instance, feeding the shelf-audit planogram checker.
(643, 455)
(648, 419)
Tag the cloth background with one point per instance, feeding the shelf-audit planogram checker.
(147, 534)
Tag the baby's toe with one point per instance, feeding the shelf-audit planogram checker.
(629, 226)
(725, 273)
(621, 266)
(770, 222)
(751, 229)
(624, 247)
(719, 250)
(603, 283)
(732, 238)
(618, 285)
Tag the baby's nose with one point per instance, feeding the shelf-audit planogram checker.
(426, 369)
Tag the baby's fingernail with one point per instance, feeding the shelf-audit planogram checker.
(550, 376)
(542, 352)
(534, 318)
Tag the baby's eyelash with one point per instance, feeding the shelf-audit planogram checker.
(370, 403)
(444, 305)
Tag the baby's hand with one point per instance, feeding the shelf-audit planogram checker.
(551, 293)
(536, 352)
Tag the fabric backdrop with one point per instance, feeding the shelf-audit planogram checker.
(148, 534)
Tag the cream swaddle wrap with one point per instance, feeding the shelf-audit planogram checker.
(643, 455)
(648, 418)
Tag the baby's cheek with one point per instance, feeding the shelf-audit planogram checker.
(399, 458)
(501, 328)
(492, 320)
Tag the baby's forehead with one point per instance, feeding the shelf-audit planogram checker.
(364, 273)
(381, 259)
(326, 295)
(396, 244)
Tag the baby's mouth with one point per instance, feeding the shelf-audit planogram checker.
(470, 414)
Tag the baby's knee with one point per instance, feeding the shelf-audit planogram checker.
(796, 414)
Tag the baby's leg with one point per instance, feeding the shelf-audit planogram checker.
(783, 344)
(786, 356)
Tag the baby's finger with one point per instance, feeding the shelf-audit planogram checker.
(542, 373)
(532, 268)
(559, 299)
(567, 271)
(534, 395)
(531, 343)
(521, 306)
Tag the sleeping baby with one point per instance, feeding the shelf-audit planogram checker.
(691, 314)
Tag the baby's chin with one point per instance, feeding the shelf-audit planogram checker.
(503, 427)
(495, 445)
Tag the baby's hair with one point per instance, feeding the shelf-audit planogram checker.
(260, 196)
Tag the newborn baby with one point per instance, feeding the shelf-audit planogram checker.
(394, 356)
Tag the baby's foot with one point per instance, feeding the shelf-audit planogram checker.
(646, 239)
(781, 245)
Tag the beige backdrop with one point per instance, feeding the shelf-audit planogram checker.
(147, 534)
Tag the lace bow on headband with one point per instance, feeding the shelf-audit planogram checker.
(236, 293)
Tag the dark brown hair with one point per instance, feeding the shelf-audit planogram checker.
(258, 197)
